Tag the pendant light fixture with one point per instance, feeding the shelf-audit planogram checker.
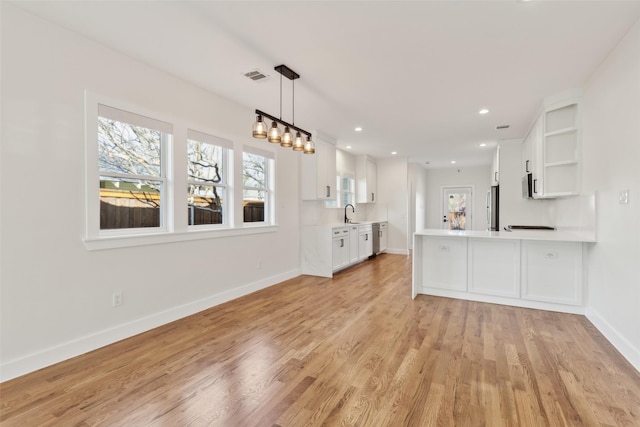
(273, 134)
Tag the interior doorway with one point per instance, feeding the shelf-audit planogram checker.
(457, 208)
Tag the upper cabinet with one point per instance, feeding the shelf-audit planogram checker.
(366, 179)
(561, 151)
(551, 151)
(495, 168)
(318, 174)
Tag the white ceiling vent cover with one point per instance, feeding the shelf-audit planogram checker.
(256, 75)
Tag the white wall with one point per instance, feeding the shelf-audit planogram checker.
(418, 195)
(393, 202)
(611, 154)
(514, 209)
(56, 295)
(478, 177)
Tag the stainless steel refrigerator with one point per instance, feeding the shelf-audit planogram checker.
(493, 208)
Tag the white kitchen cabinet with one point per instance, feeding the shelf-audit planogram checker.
(366, 179)
(494, 267)
(444, 263)
(340, 248)
(365, 248)
(531, 154)
(561, 151)
(495, 167)
(551, 151)
(354, 244)
(318, 171)
(552, 272)
(384, 236)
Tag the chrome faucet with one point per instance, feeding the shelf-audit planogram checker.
(353, 209)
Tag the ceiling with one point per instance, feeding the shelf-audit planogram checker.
(412, 74)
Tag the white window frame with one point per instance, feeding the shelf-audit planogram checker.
(94, 108)
(175, 187)
(227, 172)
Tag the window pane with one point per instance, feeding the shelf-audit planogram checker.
(128, 149)
(205, 204)
(129, 203)
(205, 162)
(253, 205)
(254, 171)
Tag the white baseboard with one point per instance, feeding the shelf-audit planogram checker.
(32, 362)
(397, 251)
(622, 344)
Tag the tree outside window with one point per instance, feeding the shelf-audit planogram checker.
(255, 187)
(131, 174)
(207, 184)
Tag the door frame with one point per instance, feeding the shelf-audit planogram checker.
(469, 216)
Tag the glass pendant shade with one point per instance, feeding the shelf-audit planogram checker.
(259, 128)
(287, 139)
(274, 133)
(309, 146)
(298, 144)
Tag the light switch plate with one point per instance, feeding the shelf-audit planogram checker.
(623, 197)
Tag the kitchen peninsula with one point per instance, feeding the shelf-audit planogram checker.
(540, 269)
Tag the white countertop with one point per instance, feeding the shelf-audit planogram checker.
(341, 225)
(550, 235)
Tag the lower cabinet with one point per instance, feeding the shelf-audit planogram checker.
(444, 263)
(528, 273)
(384, 239)
(340, 248)
(365, 249)
(354, 244)
(552, 272)
(494, 267)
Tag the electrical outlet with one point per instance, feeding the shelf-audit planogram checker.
(116, 298)
(623, 197)
(258, 264)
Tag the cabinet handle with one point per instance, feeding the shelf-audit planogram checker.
(535, 186)
(328, 191)
(366, 237)
(526, 166)
(495, 176)
(342, 243)
(372, 197)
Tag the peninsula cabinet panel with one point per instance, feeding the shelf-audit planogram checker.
(494, 267)
(552, 272)
(444, 263)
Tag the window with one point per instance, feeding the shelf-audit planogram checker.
(347, 189)
(131, 152)
(257, 192)
(137, 191)
(207, 176)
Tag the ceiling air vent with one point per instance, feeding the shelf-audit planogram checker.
(256, 75)
(502, 127)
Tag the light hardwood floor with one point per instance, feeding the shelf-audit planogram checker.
(354, 350)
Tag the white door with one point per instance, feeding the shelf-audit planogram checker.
(456, 208)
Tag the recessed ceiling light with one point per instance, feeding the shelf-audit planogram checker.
(394, 152)
(483, 111)
(453, 162)
(358, 129)
(348, 147)
(484, 144)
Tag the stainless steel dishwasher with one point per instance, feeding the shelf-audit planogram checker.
(376, 238)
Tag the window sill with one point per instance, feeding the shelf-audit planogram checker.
(114, 242)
